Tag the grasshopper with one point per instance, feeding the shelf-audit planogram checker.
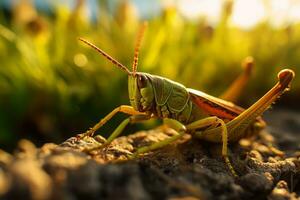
(187, 110)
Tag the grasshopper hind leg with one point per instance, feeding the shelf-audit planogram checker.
(182, 129)
(214, 123)
(238, 127)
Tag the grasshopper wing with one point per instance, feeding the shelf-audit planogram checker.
(214, 106)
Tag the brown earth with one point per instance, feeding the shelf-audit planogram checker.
(187, 169)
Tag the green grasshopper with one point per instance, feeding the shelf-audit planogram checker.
(187, 110)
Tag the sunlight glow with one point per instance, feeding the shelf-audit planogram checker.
(294, 14)
(279, 12)
(193, 9)
(247, 13)
(80, 60)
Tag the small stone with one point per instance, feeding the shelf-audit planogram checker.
(256, 183)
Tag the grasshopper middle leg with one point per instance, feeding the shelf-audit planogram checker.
(235, 89)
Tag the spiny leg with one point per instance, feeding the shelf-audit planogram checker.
(211, 123)
(124, 109)
(238, 125)
(235, 89)
(225, 146)
(119, 130)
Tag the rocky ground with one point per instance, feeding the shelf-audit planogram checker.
(268, 166)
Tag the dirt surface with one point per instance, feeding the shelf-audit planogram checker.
(268, 166)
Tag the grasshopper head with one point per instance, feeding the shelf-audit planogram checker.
(140, 91)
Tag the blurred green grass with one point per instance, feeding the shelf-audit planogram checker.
(52, 86)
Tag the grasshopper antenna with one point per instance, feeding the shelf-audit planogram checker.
(111, 59)
(137, 47)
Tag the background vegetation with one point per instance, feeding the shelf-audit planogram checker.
(52, 86)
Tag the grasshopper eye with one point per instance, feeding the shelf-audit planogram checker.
(142, 81)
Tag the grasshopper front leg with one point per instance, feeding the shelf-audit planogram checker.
(119, 130)
(123, 108)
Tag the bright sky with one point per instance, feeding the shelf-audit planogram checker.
(192, 9)
(248, 13)
(245, 13)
